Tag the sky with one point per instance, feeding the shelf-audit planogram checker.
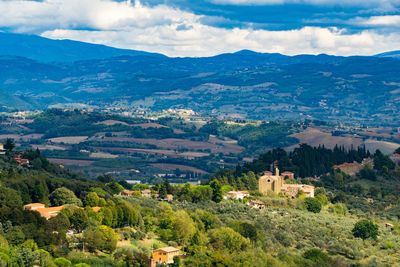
(204, 28)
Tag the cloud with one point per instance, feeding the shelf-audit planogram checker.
(380, 21)
(176, 32)
(363, 3)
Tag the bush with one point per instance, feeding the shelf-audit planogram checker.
(365, 229)
(62, 262)
(313, 205)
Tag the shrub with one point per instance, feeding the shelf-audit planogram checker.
(313, 205)
(365, 229)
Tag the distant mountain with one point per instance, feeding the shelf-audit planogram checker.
(47, 50)
(392, 54)
(244, 84)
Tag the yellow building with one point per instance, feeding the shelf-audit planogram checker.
(164, 255)
(270, 183)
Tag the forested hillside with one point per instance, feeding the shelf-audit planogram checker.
(352, 221)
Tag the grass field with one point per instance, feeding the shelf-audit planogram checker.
(70, 140)
(172, 167)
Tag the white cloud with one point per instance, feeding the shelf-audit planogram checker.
(175, 32)
(381, 21)
(363, 3)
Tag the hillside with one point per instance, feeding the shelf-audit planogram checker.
(47, 50)
(242, 85)
(92, 224)
(392, 54)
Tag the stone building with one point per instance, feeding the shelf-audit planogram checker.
(275, 183)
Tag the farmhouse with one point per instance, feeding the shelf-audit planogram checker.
(164, 256)
(2, 150)
(146, 193)
(256, 204)
(21, 161)
(44, 212)
(237, 195)
(276, 184)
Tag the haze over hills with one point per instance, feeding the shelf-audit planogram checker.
(47, 50)
(244, 84)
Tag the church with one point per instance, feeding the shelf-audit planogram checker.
(275, 183)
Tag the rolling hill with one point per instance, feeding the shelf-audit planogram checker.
(245, 84)
(47, 50)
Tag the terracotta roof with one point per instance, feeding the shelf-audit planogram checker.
(34, 205)
(96, 209)
(168, 249)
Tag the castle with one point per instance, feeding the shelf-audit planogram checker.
(275, 183)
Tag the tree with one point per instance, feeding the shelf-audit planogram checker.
(92, 199)
(216, 191)
(313, 205)
(62, 196)
(318, 257)
(62, 262)
(381, 161)
(183, 227)
(365, 229)
(9, 145)
(9, 198)
(101, 238)
(227, 238)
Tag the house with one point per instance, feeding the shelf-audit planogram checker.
(129, 193)
(237, 195)
(164, 255)
(21, 161)
(2, 150)
(276, 184)
(44, 212)
(292, 190)
(146, 193)
(288, 175)
(169, 197)
(96, 209)
(389, 226)
(256, 204)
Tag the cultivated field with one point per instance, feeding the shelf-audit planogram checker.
(172, 167)
(174, 143)
(315, 137)
(70, 140)
(72, 162)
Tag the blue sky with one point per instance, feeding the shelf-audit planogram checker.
(204, 28)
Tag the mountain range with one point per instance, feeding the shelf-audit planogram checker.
(36, 72)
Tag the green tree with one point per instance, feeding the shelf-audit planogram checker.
(216, 191)
(318, 257)
(101, 238)
(9, 198)
(62, 196)
(313, 205)
(62, 262)
(227, 238)
(365, 229)
(92, 199)
(9, 145)
(183, 227)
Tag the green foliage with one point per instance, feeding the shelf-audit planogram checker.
(62, 196)
(365, 229)
(227, 238)
(382, 162)
(318, 258)
(216, 191)
(101, 238)
(313, 204)
(62, 262)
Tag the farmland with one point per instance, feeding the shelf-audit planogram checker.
(178, 144)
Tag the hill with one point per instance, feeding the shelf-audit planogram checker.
(245, 84)
(392, 54)
(47, 50)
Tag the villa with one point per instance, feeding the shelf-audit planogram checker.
(164, 256)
